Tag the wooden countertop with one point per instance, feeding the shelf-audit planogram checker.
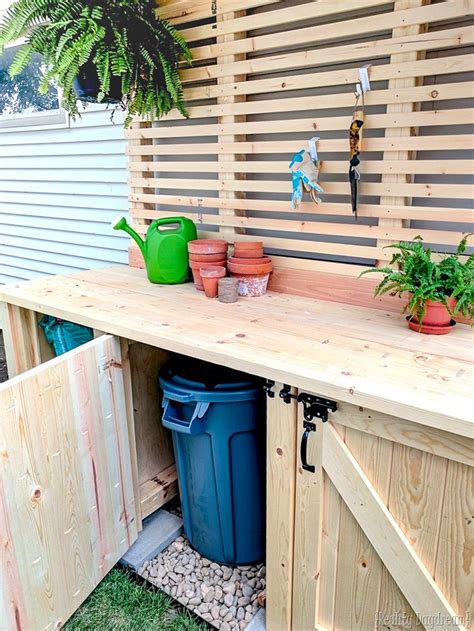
(362, 356)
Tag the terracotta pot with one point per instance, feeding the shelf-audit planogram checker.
(208, 258)
(249, 254)
(429, 329)
(250, 261)
(254, 269)
(207, 246)
(436, 314)
(251, 285)
(248, 245)
(210, 275)
(196, 269)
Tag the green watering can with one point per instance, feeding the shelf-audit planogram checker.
(165, 250)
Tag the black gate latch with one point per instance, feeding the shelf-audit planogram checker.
(313, 405)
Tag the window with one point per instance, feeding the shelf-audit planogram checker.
(21, 105)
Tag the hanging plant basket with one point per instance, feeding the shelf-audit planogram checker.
(101, 51)
(87, 86)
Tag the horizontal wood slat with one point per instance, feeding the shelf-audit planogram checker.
(413, 167)
(350, 28)
(268, 76)
(374, 49)
(315, 124)
(428, 213)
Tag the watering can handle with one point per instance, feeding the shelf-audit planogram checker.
(168, 220)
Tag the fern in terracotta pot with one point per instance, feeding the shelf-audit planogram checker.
(101, 50)
(437, 290)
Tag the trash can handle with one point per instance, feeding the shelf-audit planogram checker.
(172, 421)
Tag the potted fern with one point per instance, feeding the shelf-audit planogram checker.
(101, 50)
(437, 290)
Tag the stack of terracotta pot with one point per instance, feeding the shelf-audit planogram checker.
(250, 267)
(208, 260)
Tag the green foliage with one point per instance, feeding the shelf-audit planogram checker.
(416, 273)
(122, 602)
(120, 38)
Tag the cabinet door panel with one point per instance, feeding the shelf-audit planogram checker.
(381, 528)
(67, 511)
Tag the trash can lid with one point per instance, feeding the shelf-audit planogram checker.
(197, 375)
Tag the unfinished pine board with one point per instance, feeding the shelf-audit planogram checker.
(405, 109)
(154, 449)
(405, 559)
(368, 358)
(67, 511)
(267, 78)
(308, 519)
(23, 340)
(281, 491)
(227, 121)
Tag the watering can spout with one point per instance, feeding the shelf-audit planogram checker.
(120, 223)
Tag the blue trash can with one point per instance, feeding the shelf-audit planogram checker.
(217, 419)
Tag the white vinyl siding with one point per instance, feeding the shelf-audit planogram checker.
(59, 191)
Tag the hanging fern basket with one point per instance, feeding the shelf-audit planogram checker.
(105, 51)
(86, 85)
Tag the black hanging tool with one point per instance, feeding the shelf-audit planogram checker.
(355, 137)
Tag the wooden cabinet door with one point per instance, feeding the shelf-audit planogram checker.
(67, 508)
(383, 527)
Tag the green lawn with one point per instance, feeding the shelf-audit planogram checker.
(123, 603)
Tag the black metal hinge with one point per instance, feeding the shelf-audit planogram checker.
(267, 388)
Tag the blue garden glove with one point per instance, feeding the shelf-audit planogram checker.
(304, 174)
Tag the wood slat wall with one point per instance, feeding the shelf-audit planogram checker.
(266, 77)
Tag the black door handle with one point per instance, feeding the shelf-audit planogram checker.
(308, 428)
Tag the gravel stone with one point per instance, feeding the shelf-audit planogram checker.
(226, 573)
(245, 600)
(209, 597)
(229, 588)
(225, 597)
(247, 590)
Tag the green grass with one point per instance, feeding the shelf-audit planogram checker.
(121, 603)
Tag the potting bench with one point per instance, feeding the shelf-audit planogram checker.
(382, 512)
(370, 513)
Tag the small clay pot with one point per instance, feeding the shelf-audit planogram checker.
(252, 285)
(250, 261)
(254, 269)
(196, 269)
(437, 314)
(208, 258)
(248, 245)
(248, 249)
(249, 254)
(210, 275)
(227, 290)
(207, 246)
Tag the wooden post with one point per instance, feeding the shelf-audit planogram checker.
(396, 108)
(22, 340)
(307, 548)
(281, 474)
(225, 157)
(135, 258)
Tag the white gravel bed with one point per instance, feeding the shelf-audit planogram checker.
(224, 596)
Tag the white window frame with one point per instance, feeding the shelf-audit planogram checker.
(50, 119)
